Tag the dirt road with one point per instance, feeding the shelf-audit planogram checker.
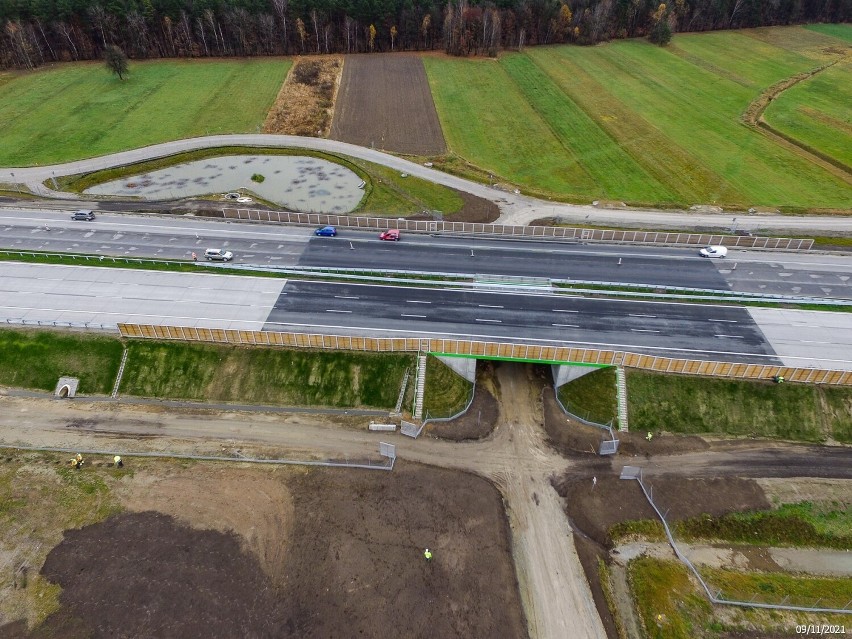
(554, 589)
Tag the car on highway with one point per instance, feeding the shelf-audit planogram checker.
(713, 251)
(218, 255)
(83, 214)
(326, 231)
(391, 235)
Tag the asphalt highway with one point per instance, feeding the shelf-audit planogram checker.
(704, 332)
(177, 238)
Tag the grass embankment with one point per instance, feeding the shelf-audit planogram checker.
(213, 372)
(804, 524)
(446, 392)
(618, 121)
(95, 113)
(39, 498)
(592, 396)
(203, 372)
(704, 405)
(670, 606)
(38, 358)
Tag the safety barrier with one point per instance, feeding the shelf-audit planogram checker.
(493, 350)
(506, 230)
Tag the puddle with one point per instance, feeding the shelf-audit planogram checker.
(296, 182)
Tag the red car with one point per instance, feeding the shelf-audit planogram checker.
(391, 235)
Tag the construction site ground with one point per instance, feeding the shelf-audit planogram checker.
(376, 521)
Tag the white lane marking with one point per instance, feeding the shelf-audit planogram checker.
(347, 297)
(331, 310)
(490, 306)
(489, 320)
(408, 315)
(640, 315)
(562, 310)
(731, 336)
(417, 302)
(567, 325)
(721, 320)
(644, 330)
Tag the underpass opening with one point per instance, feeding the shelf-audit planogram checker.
(543, 379)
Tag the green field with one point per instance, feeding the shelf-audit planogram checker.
(702, 405)
(648, 125)
(817, 113)
(72, 111)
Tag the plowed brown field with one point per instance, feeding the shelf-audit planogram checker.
(385, 102)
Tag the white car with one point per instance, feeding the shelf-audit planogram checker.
(218, 255)
(713, 251)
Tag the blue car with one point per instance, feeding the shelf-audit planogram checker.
(326, 231)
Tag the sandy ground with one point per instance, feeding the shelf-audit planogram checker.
(515, 456)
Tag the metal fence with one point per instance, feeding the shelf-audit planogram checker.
(506, 230)
(493, 350)
(716, 596)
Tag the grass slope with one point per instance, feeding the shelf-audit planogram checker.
(37, 359)
(696, 405)
(592, 396)
(446, 392)
(93, 113)
(213, 372)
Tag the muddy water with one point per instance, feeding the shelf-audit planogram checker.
(298, 183)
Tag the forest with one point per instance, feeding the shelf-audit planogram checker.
(36, 32)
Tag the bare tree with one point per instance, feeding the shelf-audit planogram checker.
(280, 7)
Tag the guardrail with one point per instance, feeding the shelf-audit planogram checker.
(93, 326)
(506, 230)
(493, 350)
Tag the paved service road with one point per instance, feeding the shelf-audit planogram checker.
(176, 238)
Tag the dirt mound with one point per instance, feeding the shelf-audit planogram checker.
(143, 574)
